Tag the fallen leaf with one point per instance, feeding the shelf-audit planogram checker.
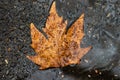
(59, 49)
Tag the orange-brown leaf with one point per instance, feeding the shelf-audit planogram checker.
(59, 49)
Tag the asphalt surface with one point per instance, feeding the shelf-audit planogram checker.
(101, 26)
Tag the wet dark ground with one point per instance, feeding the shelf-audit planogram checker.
(102, 28)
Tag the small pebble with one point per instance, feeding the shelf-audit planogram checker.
(89, 76)
(86, 60)
(115, 75)
(108, 15)
(62, 76)
(100, 73)
(7, 71)
(9, 49)
(6, 61)
(96, 71)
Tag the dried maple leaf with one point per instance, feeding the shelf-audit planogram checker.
(59, 49)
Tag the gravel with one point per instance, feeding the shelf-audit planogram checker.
(101, 26)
